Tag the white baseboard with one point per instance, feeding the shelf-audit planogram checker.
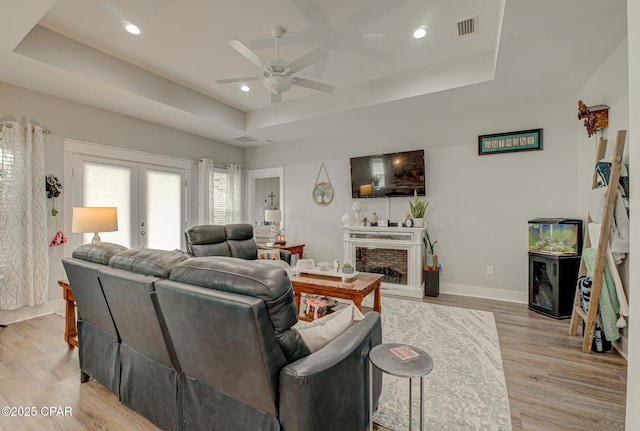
(24, 313)
(485, 292)
(454, 289)
(402, 290)
(622, 346)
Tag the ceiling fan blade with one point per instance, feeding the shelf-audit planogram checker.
(311, 11)
(276, 98)
(245, 51)
(246, 79)
(314, 85)
(316, 54)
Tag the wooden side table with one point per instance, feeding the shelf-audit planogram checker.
(70, 331)
(293, 248)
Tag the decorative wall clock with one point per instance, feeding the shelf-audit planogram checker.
(322, 191)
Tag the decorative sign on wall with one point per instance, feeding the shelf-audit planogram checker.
(524, 140)
(322, 191)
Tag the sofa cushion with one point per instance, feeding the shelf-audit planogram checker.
(243, 249)
(97, 252)
(241, 242)
(239, 231)
(271, 284)
(207, 234)
(321, 332)
(147, 261)
(207, 240)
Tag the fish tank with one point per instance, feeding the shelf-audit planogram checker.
(555, 236)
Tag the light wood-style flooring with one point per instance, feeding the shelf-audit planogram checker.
(551, 384)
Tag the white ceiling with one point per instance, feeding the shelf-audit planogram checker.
(77, 49)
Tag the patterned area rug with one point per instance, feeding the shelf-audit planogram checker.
(466, 389)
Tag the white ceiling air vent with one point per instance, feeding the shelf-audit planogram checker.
(468, 26)
(244, 139)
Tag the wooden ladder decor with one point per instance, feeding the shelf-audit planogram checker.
(601, 254)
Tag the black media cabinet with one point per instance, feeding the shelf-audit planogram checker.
(552, 284)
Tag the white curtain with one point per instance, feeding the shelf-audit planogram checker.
(219, 193)
(234, 194)
(205, 191)
(24, 263)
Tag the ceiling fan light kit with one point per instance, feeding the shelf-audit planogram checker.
(278, 74)
(276, 84)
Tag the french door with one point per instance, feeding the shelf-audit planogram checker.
(150, 200)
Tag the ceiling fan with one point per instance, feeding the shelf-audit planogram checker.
(278, 74)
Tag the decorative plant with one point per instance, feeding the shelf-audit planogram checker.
(347, 268)
(428, 245)
(417, 206)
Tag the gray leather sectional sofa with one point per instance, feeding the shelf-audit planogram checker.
(205, 343)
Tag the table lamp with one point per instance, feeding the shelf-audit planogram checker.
(366, 190)
(273, 217)
(94, 219)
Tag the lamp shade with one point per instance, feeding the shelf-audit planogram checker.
(272, 215)
(94, 219)
(366, 190)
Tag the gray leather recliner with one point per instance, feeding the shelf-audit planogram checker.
(98, 340)
(151, 376)
(250, 370)
(231, 240)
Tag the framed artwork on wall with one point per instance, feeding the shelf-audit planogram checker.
(524, 140)
(322, 190)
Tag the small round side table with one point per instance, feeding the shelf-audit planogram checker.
(382, 358)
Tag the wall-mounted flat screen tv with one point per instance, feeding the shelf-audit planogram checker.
(387, 175)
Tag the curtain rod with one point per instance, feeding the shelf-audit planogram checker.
(215, 165)
(10, 125)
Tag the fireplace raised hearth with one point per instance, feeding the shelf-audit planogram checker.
(395, 252)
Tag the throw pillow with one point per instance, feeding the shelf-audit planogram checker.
(321, 332)
(269, 254)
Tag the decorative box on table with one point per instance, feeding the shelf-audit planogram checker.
(317, 306)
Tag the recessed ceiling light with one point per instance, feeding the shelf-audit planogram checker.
(421, 32)
(245, 87)
(132, 28)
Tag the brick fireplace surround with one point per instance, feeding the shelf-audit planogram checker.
(396, 252)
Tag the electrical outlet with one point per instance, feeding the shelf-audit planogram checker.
(489, 269)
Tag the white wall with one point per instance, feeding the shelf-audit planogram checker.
(633, 370)
(264, 187)
(68, 119)
(479, 205)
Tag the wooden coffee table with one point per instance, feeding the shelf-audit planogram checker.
(354, 289)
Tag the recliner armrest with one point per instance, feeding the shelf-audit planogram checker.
(286, 256)
(329, 389)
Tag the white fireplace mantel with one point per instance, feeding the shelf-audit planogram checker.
(395, 238)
